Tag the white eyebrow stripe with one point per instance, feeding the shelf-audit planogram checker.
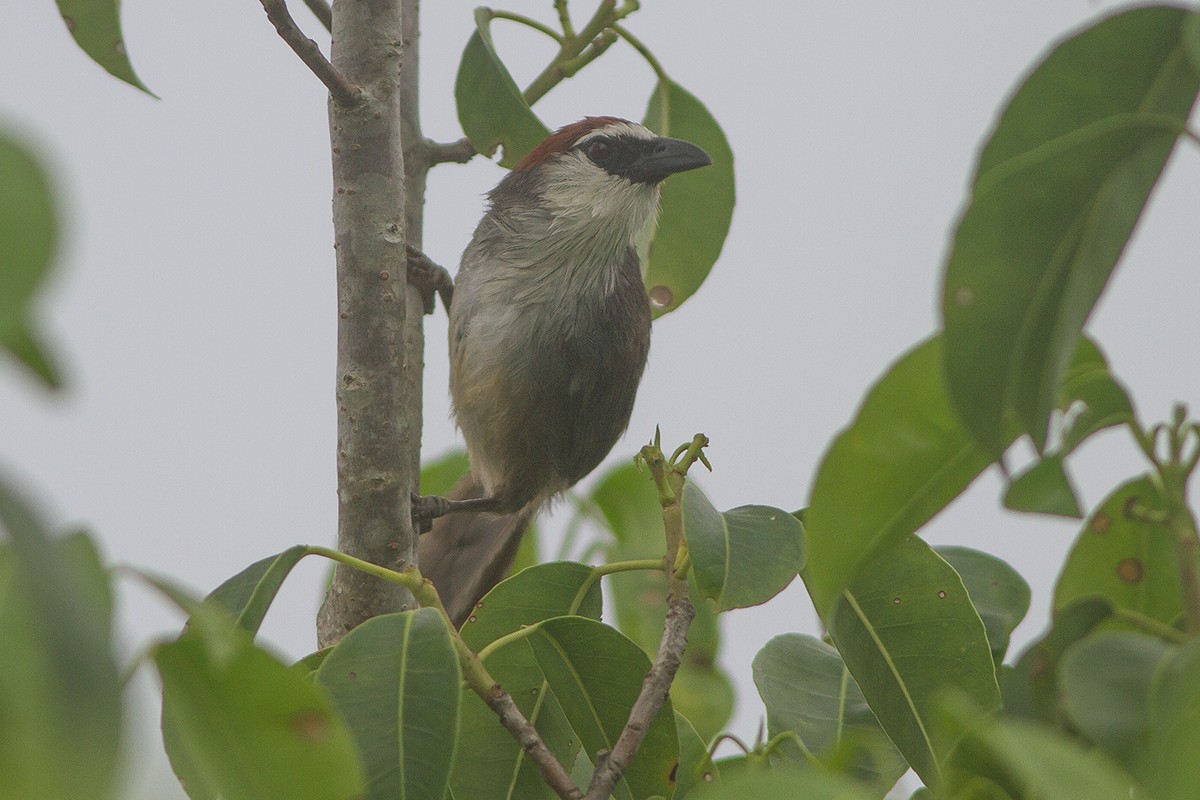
(618, 129)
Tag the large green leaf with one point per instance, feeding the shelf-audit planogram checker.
(1044, 488)
(1024, 760)
(807, 689)
(60, 697)
(782, 784)
(697, 206)
(1124, 558)
(628, 503)
(1059, 187)
(998, 592)
(742, 557)
(439, 475)
(395, 679)
(907, 631)
(538, 593)
(1091, 396)
(696, 765)
(596, 674)
(1172, 769)
(1104, 682)
(491, 109)
(96, 28)
(28, 240)
(1031, 686)
(903, 459)
(255, 729)
(248, 595)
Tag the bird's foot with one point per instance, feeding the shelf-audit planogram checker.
(429, 277)
(427, 508)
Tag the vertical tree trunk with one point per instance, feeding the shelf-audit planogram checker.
(379, 355)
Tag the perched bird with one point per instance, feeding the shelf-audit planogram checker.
(549, 333)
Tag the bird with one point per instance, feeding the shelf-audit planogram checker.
(549, 336)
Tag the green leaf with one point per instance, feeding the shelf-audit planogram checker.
(742, 557)
(60, 696)
(697, 206)
(1024, 760)
(1127, 560)
(596, 674)
(248, 595)
(1191, 39)
(702, 690)
(1058, 190)
(998, 592)
(491, 109)
(1031, 687)
(439, 475)
(783, 784)
(1091, 395)
(28, 241)
(807, 689)
(532, 595)
(18, 338)
(907, 631)
(1172, 769)
(1104, 682)
(256, 729)
(696, 766)
(1044, 488)
(903, 459)
(96, 27)
(395, 679)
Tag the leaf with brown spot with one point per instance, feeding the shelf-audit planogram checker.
(1121, 556)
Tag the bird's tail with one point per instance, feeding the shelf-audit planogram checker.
(466, 554)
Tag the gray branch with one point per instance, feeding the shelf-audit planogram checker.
(322, 11)
(340, 88)
(376, 421)
(459, 152)
(612, 765)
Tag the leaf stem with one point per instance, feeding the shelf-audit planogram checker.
(1150, 625)
(528, 22)
(410, 578)
(564, 18)
(1174, 470)
(644, 51)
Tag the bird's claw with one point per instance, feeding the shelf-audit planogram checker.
(429, 277)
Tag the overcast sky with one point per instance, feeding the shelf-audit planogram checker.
(193, 304)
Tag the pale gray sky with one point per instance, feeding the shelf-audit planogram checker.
(193, 304)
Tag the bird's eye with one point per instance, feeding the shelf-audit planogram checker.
(598, 150)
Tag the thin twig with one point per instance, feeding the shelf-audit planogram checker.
(611, 766)
(459, 152)
(322, 11)
(339, 88)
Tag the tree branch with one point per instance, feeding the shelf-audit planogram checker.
(322, 11)
(375, 465)
(459, 152)
(341, 89)
(657, 684)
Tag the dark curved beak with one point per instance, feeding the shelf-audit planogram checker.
(663, 157)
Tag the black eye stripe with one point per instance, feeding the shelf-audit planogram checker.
(614, 153)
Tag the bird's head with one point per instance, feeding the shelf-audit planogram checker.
(602, 172)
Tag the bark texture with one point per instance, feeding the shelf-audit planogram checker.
(378, 420)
